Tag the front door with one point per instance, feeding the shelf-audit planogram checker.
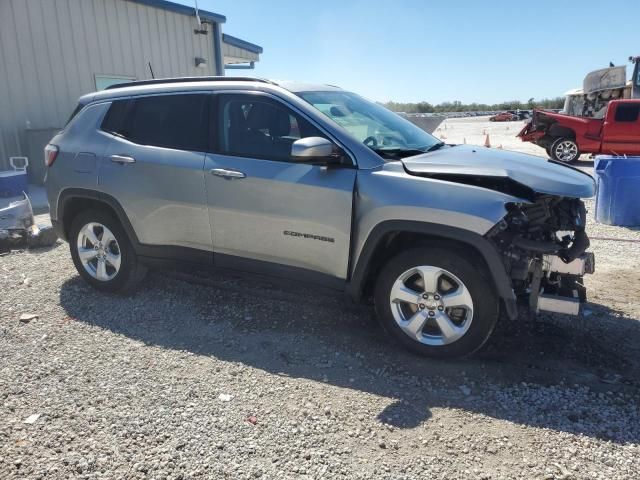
(267, 210)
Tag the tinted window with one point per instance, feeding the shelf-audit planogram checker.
(114, 119)
(170, 121)
(627, 112)
(260, 128)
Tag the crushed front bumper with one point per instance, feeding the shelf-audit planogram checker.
(570, 294)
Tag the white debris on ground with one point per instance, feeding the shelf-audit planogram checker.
(198, 377)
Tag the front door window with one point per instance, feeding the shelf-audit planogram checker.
(260, 128)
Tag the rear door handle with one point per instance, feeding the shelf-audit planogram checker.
(122, 159)
(225, 173)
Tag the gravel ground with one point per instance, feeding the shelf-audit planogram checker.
(204, 376)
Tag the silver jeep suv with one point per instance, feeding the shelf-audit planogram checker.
(317, 184)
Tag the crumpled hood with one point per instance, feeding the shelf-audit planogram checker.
(539, 174)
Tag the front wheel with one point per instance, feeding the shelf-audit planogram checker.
(565, 150)
(436, 302)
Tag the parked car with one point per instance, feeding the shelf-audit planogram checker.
(316, 184)
(503, 117)
(566, 137)
(521, 114)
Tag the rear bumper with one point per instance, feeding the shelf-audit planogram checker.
(529, 133)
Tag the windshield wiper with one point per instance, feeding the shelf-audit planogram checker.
(435, 146)
(398, 151)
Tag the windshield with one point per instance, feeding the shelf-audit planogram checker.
(378, 128)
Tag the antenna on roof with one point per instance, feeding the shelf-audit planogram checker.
(202, 27)
(198, 14)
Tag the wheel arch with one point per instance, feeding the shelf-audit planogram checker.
(72, 201)
(389, 237)
(558, 131)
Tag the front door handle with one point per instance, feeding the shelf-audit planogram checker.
(225, 173)
(122, 159)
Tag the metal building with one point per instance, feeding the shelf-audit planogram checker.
(54, 51)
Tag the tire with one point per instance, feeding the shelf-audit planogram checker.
(565, 150)
(122, 270)
(473, 323)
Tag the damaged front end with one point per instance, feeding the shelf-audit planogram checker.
(543, 246)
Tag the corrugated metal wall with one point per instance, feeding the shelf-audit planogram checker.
(50, 51)
(234, 54)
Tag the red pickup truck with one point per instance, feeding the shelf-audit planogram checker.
(566, 137)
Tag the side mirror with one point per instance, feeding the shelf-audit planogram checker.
(315, 150)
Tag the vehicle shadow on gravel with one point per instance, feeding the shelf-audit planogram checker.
(543, 375)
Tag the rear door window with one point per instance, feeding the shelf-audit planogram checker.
(179, 122)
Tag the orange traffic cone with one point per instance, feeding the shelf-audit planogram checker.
(487, 142)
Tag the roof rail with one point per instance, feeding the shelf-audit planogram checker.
(158, 81)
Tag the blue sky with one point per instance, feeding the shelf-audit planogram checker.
(412, 50)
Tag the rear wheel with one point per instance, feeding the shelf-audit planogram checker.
(102, 252)
(436, 303)
(565, 150)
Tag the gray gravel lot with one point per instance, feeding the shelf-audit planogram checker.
(208, 376)
(134, 387)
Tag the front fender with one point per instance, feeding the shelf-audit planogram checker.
(477, 242)
(389, 193)
(389, 200)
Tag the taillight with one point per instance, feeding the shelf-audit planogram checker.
(50, 154)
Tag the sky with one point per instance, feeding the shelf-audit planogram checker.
(410, 50)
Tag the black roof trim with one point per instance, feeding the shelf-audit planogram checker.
(160, 81)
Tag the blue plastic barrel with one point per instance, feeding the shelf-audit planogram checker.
(617, 188)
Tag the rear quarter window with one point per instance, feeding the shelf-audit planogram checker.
(75, 112)
(113, 121)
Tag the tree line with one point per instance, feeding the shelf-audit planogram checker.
(457, 106)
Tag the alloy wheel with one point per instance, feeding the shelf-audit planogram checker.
(566, 151)
(431, 305)
(99, 251)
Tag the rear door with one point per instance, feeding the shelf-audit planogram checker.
(266, 210)
(154, 168)
(622, 129)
